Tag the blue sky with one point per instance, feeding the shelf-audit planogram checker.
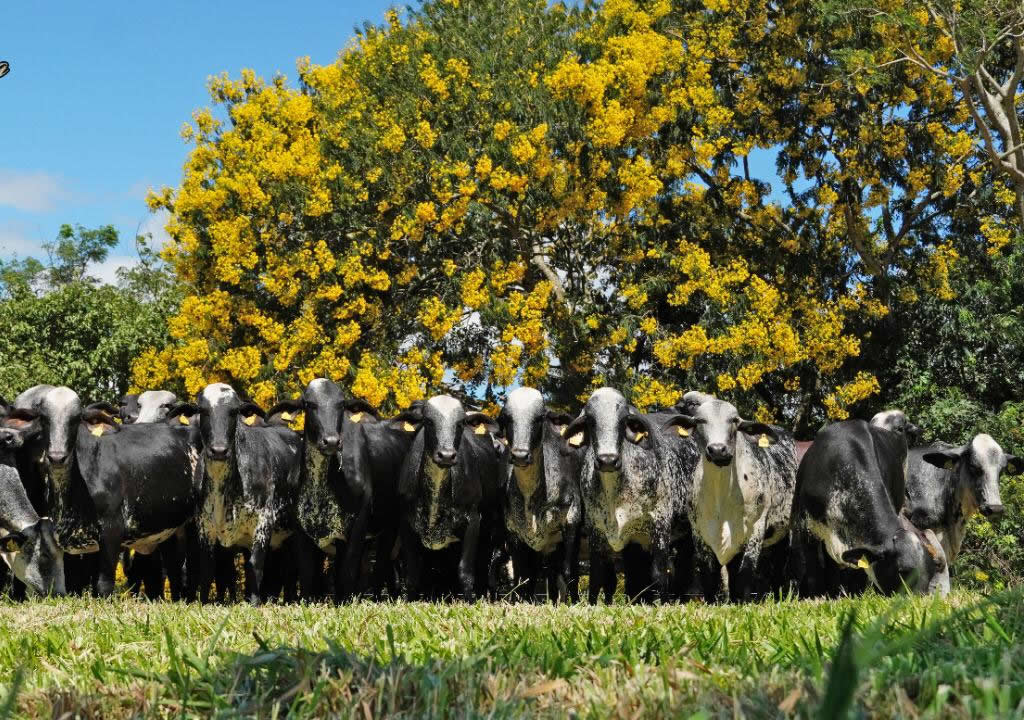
(91, 111)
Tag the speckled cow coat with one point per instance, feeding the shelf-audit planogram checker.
(134, 486)
(635, 478)
(743, 489)
(541, 500)
(250, 483)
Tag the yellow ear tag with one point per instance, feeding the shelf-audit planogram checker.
(480, 429)
(118, 420)
(183, 420)
(863, 563)
(408, 426)
(355, 417)
(250, 420)
(576, 440)
(640, 436)
(682, 431)
(562, 429)
(10, 546)
(96, 430)
(287, 416)
(763, 441)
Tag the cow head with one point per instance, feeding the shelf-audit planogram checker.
(442, 420)
(692, 400)
(61, 410)
(99, 419)
(324, 404)
(976, 468)
(153, 405)
(715, 424)
(219, 410)
(128, 408)
(522, 423)
(912, 560)
(35, 557)
(606, 422)
(896, 421)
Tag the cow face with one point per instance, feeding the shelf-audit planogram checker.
(61, 411)
(715, 424)
(913, 561)
(18, 427)
(606, 422)
(692, 400)
(324, 404)
(521, 424)
(896, 421)
(976, 468)
(219, 406)
(154, 405)
(444, 419)
(128, 408)
(35, 557)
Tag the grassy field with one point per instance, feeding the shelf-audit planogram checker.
(960, 657)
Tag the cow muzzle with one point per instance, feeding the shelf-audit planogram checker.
(444, 458)
(57, 458)
(609, 461)
(992, 510)
(719, 454)
(520, 457)
(218, 452)
(329, 444)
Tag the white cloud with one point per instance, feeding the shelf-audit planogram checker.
(106, 271)
(15, 240)
(155, 224)
(34, 191)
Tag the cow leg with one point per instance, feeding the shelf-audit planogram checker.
(352, 561)
(521, 575)
(741, 581)
(309, 561)
(258, 559)
(383, 566)
(467, 561)
(152, 575)
(111, 533)
(637, 570)
(172, 558)
(602, 569)
(133, 582)
(661, 563)
(567, 582)
(206, 562)
(413, 559)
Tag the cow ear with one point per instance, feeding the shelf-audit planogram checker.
(679, 425)
(284, 412)
(576, 434)
(760, 430)
(946, 458)
(638, 430)
(182, 413)
(481, 423)
(26, 422)
(1014, 465)
(251, 414)
(408, 420)
(12, 543)
(559, 421)
(358, 410)
(861, 557)
(99, 422)
(4, 407)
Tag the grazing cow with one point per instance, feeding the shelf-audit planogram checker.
(449, 493)
(250, 485)
(146, 407)
(850, 490)
(350, 486)
(540, 497)
(947, 485)
(635, 481)
(742, 494)
(28, 545)
(133, 486)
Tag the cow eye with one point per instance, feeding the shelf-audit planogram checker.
(310, 405)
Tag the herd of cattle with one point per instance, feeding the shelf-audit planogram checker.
(440, 502)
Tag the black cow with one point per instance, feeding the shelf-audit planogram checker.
(28, 545)
(850, 491)
(635, 479)
(947, 485)
(449, 493)
(250, 485)
(742, 495)
(350, 487)
(540, 495)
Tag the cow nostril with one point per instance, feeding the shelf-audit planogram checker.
(992, 510)
(446, 456)
(219, 451)
(329, 442)
(58, 458)
(609, 461)
(521, 456)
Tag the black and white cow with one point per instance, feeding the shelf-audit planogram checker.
(743, 487)
(28, 544)
(133, 486)
(148, 406)
(947, 485)
(540, 496)
(850, 491)
(350, 486)
(449, 493)
(250, 485)
(635, 479)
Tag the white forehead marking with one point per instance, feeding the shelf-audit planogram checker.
(156, 397)
(697, 397)
(605, 395)
(61, 398)
(524, 400)
(446, 405)
(985, 447)
(318, 382)
(217, 393)
(888, 419)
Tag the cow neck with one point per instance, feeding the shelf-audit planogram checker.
(964, 505)
(529, 477)
(435, 476)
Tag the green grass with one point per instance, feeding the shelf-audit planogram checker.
(926, 657)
